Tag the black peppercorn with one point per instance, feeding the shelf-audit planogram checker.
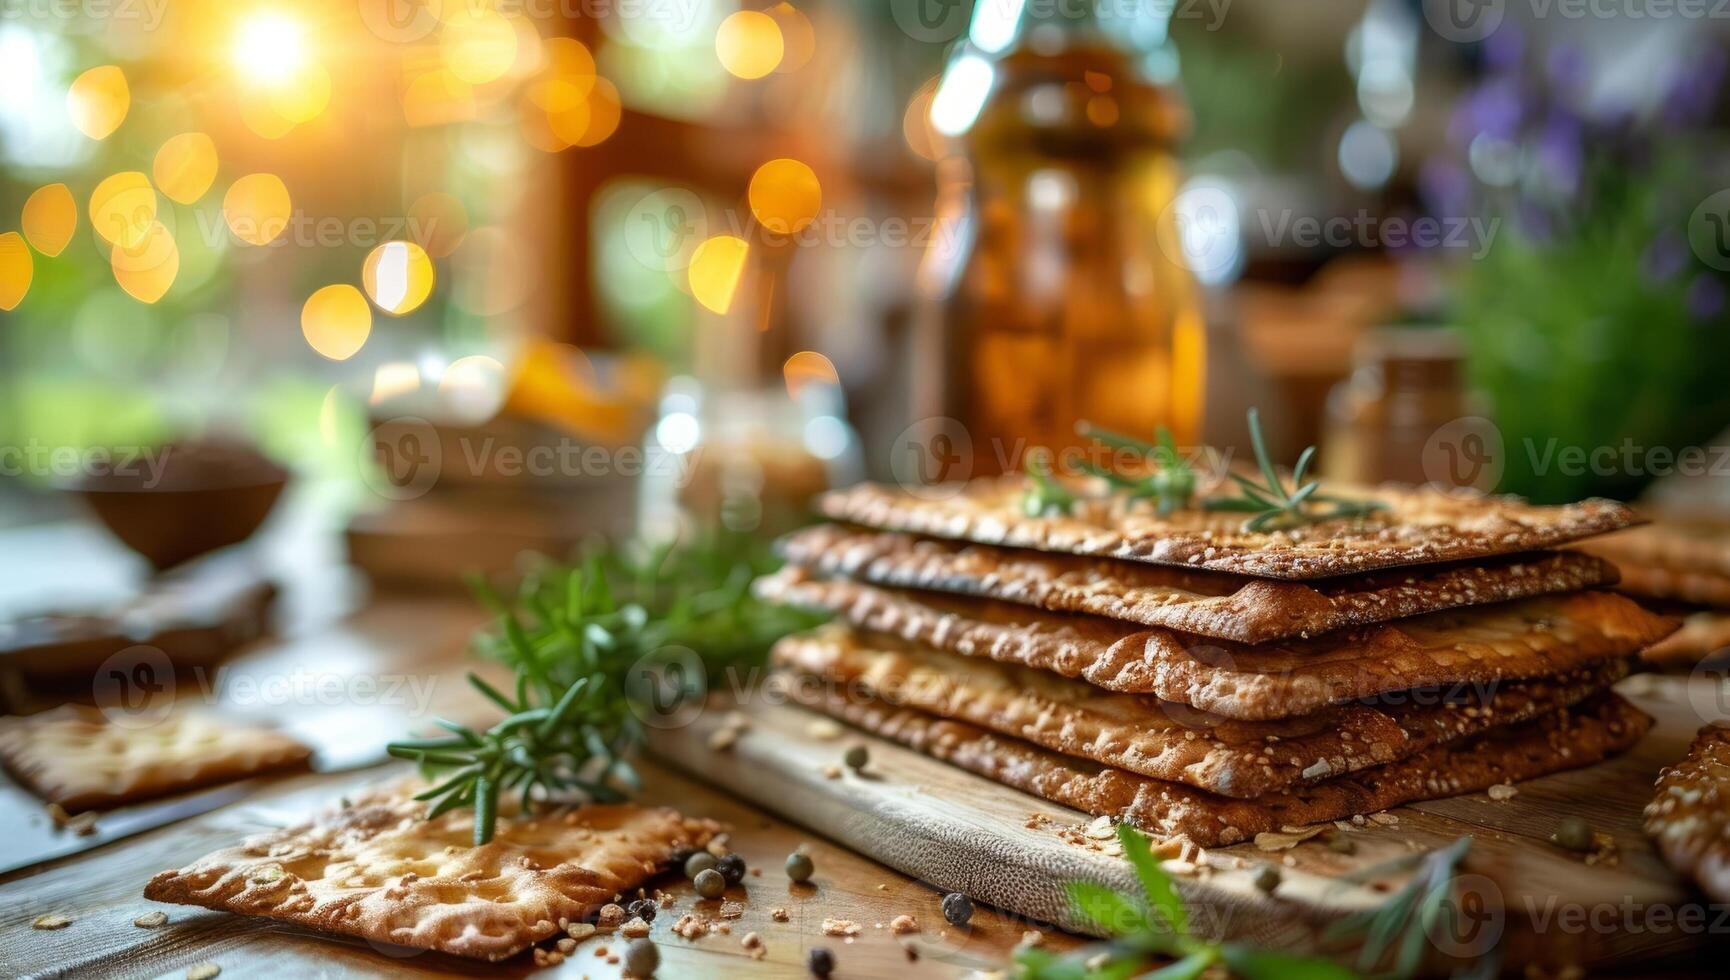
(732, 868)
(643, 908)
(821, 962)
(957, 908)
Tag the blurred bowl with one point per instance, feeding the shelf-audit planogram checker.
(195, 499)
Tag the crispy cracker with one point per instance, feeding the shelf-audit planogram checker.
(75, 757)
(1702, 588)
(1698, 545)
(1418, 526)
(1168, 741)
(1216, 604)
(1689, 817)
(1703, 635)
(1526, 638)
(1569, 739)
(376, 870)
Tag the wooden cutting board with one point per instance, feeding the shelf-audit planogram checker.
(1519, 892)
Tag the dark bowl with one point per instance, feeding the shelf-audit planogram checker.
(201, 497)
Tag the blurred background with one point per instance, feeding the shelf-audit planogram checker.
(491, 275)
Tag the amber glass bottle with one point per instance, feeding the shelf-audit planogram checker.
(1055, 289)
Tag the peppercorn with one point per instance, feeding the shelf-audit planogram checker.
(698, 863)
(821, 962)
(641, 958)
(1267, 879)
(732, 868)
(709, 883)
(957, 908)
(856, 757)
(799, 866)
(1574, 834)
(643, 908)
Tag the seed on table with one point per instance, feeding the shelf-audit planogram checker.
(732, 868)
(799, 866)
(957, 908)
(1267, 879)
(1341, 844)
(1574, 834)
(857, 757)
(709, 883)
(644, 909)
(821, 962)
(698, 863)
(641, 958)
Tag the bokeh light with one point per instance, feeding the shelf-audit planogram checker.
(798, 37)
(303, 99)
(98, 101)
(398, 276)
(16, 270)
(336, 321)
(50, 217)
(473, 388)
(437, 98)
(270, 48)
(394, 379)
(478, 44)
(491, 274)
(749, 44)
(257, 208)
(147, 267)
(185, 167)
(716, 268)
(916, 126)
(785, 195)
(584, 121)
(808, 367)
(122, 208)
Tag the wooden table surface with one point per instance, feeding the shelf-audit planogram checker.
(425, 640)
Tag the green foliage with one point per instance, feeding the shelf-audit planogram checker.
(1152, 925)
(1045, 497)
(1272, 507)
(1404, 923)
(591, 646)
(1170, 485)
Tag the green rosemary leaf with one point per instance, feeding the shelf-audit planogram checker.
(492, 693)
(1188, 968)
(1105, 908)
(1262, 458)
(1302, 466)
(486, 809)
(1163, 902)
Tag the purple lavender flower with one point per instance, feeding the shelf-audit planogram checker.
(1567, 69)
(1560, 152)
(1496, 107)
(1694, 91)
(1705, 298)
(1504, 48)
(1446, 187)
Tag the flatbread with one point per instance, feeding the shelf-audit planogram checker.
(1703, 588)
(1675, 544)
(1418, 526)
(1167, 741)
(1568, 739)
(74, 757)
(1216, 604)
(1526, 638)
(1703, 635)
(376, 870)
(1690, 815)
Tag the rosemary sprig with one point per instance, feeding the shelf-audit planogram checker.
(1405, 922)
(587, 644)
(1170, 485)
(1154, 925)
(1044, 497)
(1275, 508)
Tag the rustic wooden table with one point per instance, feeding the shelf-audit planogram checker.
(424, 640)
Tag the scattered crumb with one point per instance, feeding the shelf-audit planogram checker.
(840, 927)
(1604, 851)
(202, 971)
(150, 920)
(58, 814)
(1031, 938)
(567, 945)
(84, 824)
(732, 910)
(831, 772)
(779, 915)
(613, 959)
(823, 730)
(753, 944)
(600, 951)
(580, 930)
(901, 925)
(718, 846)
(1097, 962)
(1286, 837)
(612, 916)
(1502, 791)
(722, 739)
(1384, 818)
(664, 899)
(51, 921)
(690, 927)
(636, 928)
(882, 888)
(756, 872)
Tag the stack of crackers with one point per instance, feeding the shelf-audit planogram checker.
(1679, 563)
(1199, 680)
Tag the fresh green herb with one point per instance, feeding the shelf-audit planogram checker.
(1406, 921)
(623, 636)
(1155, 926)
(1045, 497)
(1275, 508)
(1170, 485)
